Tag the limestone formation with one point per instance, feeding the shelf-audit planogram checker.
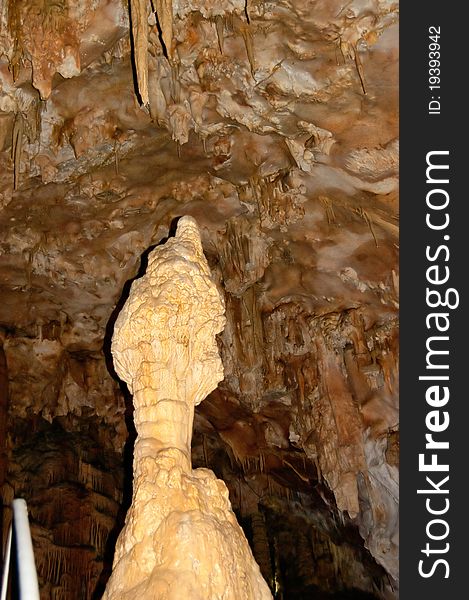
(116, 116)
(181, 538)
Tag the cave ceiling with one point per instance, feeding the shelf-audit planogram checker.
(275, 125)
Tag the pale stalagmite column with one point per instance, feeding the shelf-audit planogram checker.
(181, 539)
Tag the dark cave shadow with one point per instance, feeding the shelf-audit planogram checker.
(129, 421)
(123, 299)
(132, 62)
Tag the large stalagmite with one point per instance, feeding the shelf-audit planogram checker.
(181, 538)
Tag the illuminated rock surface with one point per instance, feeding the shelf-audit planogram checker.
(181, 538)
(258, 125)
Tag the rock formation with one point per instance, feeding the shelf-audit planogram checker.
(181, 538)
(274, 125)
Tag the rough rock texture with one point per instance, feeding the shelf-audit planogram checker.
(74, 485)
(181, 538)
(274, 124)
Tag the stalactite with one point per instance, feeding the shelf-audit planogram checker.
(71, 521)
(328, 208)
(278, 579)
(359, 67)
(17, 147)
(261, 547)
(220, 28)
(302, 477)
(276, 207)
(99, 533)
(243, 257)
(164, 10)
(61, 560)
(304, 557)
(249, 45)
(103, 504)
(139, 19)
(365, 215)
(175, 85)
(92, 477)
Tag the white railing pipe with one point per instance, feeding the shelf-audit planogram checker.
(6, 564)
(28, 587)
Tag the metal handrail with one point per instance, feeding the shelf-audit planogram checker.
(27, 575)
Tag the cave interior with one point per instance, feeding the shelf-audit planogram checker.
(274, 125)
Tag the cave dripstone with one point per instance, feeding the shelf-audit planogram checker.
(181, 538)
(273, 124)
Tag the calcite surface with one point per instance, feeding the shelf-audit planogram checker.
(181, 538)
(275, 125)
